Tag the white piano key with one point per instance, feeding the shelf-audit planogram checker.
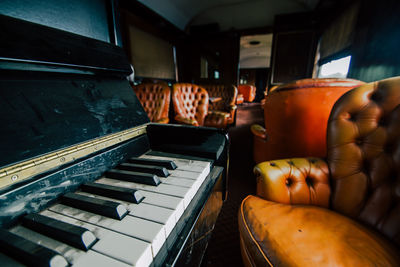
(92, 258)
(161, 200)
(185, 174)
(197, 181)
(145, 230)
(145, 211)
(165, 201)
(177, 181)
(183, 164)
(165, 189)
(190, 169)
(124, 248)
(155, 213)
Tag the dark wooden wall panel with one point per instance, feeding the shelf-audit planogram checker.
(375, 50)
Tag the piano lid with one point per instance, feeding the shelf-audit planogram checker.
(29, 46)
(59, 89)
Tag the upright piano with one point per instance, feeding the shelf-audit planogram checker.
(85, 178)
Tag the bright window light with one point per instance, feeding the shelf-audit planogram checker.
(335, 68)
(216, 74)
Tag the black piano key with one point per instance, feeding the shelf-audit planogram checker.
(157, 170)
(169, 164)
(136, 177)
(106, 208)
(28, 252)
(73, 235)
(121, 193)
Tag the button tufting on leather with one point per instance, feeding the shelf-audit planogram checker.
(383, 121)
(377, 97)
(155, 99)
(359, 141)
(352, 117)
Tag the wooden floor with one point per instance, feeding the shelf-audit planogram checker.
(223, 249)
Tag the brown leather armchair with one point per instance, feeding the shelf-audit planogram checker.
(222, 112)
(341, 212)
(155, 99)
(190, 103)
(248, 92)
(296, 115)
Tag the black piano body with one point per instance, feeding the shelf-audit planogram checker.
(68, 115)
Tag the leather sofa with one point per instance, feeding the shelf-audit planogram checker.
(222, 112)
(248, 92)
(190, 103)
(344, 211)
(296, 116)
(155, 99)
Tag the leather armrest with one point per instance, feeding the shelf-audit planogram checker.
(218, 113)
(294, 181)
(162, 120)
(188, 121)
(258, 131)
(215, 118)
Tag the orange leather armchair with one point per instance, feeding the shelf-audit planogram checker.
(155, 99)
(222, 112)
(190, 103)
(296, 116)
(248, 92)
(341, 212)
(239, 99)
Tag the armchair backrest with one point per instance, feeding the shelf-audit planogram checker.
(296, 116)
(363, 139)
(248, 92)
(227, 93)
(155, 99)
(190, 101)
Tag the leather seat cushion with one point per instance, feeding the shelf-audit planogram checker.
(295, 235)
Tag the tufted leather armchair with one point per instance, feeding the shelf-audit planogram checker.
(341, 212)
(248, 92)
(190, 103)
(221, 113)
(155, 99)
(296, 116)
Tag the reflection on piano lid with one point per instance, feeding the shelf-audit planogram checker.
(77, 156)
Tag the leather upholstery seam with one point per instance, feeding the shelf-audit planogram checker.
(251, 235)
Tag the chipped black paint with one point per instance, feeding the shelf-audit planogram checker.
(43, 115)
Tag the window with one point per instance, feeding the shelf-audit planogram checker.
(335, 69)
(203, 68)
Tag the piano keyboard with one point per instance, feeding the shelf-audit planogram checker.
(122, 219)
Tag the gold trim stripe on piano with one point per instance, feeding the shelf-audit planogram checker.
(29, 168)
